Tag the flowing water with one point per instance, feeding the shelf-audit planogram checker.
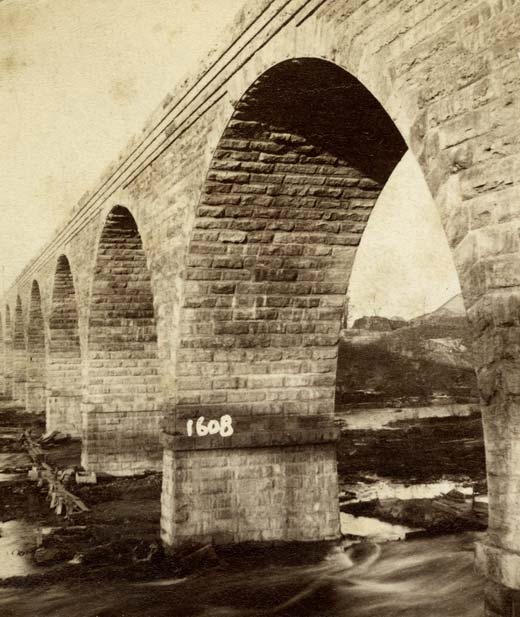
(386, 489)
(418, 578)
(17, 540)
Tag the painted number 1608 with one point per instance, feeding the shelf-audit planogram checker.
(224, 426)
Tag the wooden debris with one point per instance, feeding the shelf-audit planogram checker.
(9, 433)
(53, 438)
(455, 504)
(83, 477)
(62, 501)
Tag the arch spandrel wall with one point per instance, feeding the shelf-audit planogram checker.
(447, 73)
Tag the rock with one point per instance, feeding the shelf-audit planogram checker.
(33, 474)
(456, 495)
(43, 534)
(74, 530)
(47, 556)
(83, 477)
(101, 555)
(363, 552)
(145, 552)
(77, 559)
(202, 557)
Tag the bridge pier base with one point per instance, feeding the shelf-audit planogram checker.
(121, 443)
(34, 397)
(500, 601)
(19, 393)
(63, 413)
(502, 571)
(8, 387)
(245, 495)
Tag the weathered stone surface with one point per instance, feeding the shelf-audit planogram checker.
(247, 495)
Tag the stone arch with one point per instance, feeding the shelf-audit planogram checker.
(8, 354)
(122, 410)
(64, 372)
(19, 356)
(287, 197)
(36, 356)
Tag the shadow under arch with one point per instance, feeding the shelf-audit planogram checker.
(121, 412)
(63, 411)
(19, 356)
(291, 186)
(36, 355)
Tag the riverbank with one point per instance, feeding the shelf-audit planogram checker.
(412, 451)
(119, 531)
(423, 468)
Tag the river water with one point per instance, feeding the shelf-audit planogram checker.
(416, 578)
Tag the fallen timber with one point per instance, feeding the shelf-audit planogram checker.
(62, 501)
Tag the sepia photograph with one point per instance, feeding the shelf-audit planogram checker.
(260, 308)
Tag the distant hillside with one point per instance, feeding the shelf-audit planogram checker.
(379, 324)
(452, 308)
(426, 358)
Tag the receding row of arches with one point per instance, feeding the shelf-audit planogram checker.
(113, 375)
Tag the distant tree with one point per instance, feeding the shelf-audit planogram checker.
(374, 304)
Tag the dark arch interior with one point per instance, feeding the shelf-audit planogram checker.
(35, 354)
(332, 110)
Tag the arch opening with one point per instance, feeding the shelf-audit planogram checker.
(36, 360)
(290, 188)
(64, 377)
(8, 355)
(122, 410)
(19, 356)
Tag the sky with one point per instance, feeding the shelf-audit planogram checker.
(79, 78)
(403, 265)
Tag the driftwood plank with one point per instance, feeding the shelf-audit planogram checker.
(62, 501)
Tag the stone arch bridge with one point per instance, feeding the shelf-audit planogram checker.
(205, 275)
